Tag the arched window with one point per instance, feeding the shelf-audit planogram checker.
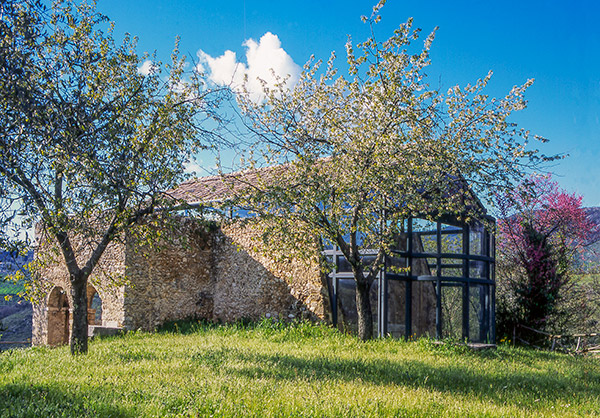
(94, 306)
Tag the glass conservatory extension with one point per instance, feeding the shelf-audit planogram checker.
(438, 281)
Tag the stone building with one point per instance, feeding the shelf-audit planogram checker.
(199, 270)
(217, 272)
(206, 272)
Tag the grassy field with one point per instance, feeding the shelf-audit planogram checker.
(10, 288)
(304, 370)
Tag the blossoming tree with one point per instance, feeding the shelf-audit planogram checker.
(542, 230)
(370, 148)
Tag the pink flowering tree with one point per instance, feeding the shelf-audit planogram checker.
(542, 232)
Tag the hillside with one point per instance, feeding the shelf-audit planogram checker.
(15, 313)
(11, 262)
(593, 213)
(592, 253)
(15, 321)
(270, 370)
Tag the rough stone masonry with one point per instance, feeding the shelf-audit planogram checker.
(211, 272)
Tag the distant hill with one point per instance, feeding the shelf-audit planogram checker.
(15, 322)
(592, 251)
(593, 214)
(10, 262)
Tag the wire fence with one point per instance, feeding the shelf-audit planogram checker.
(588, 344)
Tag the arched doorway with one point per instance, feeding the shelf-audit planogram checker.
(58, 317)
(94, 306)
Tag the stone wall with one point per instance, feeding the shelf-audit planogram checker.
(195, 270)
(251, 284)
(174, 280)
(216, 274)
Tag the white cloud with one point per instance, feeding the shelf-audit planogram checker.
(147, 68)
(193, 167)
(261, 57)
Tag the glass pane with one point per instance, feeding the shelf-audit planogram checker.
(423, 309)
(396, 308)
(424, 243)
(477, 269)
(421, 267)
(452, 239)
(343, 266)
(424, 236)
(97, 306)
(347, 314)
(476, 239)
(452, 312)
(346, 298)
(452, 272)
(368, 260)
(478, 321)
(397, 265)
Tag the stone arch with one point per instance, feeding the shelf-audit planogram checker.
(59, 316)
(94, 306)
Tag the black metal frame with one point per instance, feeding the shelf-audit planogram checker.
(460, 261)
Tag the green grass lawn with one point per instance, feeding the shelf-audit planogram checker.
(301, 371)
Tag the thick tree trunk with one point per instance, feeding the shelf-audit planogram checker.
(79, 331)
(363, 308)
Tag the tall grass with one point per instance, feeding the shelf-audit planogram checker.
(304, 370)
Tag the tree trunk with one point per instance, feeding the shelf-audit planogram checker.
(79, 331)
(363, 308)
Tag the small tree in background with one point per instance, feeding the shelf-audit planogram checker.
(541, 235)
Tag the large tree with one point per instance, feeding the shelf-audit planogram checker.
(365, 150)
(91, 133)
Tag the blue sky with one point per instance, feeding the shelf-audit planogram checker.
(555, 42)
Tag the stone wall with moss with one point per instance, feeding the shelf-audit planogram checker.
(218, 274)
(195, 270)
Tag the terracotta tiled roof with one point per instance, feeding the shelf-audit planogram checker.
(221, 187)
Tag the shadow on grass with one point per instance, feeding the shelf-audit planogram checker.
(27, 400)
(506, 386)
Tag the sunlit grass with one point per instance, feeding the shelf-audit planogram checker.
(303, 370)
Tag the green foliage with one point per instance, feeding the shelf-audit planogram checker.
(363, 151)
(90, 139)
(272, 369)
(92, 135)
